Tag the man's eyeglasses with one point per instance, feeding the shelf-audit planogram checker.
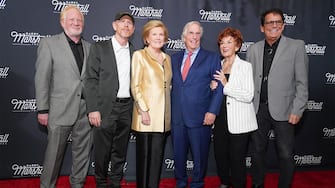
(277, 22)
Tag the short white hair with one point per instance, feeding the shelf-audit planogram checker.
(187, 25)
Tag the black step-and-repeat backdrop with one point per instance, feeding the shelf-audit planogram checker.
(24, 23)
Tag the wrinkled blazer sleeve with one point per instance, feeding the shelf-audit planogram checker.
(217, 97)
(136, 80)
(92, 79)
(43, 75)
(301, 76)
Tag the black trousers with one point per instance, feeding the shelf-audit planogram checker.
(110, 145)
(284, 141)
(230, 151)
(149, 158)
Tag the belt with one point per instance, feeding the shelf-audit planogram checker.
(122, 100)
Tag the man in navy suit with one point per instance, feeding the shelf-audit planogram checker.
(194, 105)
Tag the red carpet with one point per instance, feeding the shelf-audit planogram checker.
(319, 179)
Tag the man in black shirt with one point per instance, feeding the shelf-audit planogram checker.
(60, 68)
(280, 66)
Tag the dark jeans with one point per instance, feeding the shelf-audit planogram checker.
(284, 142)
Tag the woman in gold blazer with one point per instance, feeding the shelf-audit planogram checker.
(150, 86)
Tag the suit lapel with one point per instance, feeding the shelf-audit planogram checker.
(234, 66)
(198, 59)
(260, 55)
(111, 56)
(68, 53)
(86, 50)
(180, 62)
(279, 51)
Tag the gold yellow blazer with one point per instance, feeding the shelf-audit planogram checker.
(150, 87)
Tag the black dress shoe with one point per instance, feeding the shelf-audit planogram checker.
(257, 186)
(223, 186)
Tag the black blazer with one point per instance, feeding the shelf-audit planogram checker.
(102, 82)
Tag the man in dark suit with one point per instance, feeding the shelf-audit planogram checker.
(280, 67)
(60, 70)
(109, 103)
(194, 105)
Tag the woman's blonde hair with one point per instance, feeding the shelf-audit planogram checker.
(150, 25)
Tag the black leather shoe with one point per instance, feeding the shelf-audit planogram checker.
(223, 186)
(257, 186)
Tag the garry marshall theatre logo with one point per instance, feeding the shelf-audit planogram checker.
(69, 138)
(271, 134)
(27, 38)
(330, 78)
(314, 106)
(146, 12)
(27, 170)
(2, 4)
(331, 21)
(110, 166)
(248, 162)
(175, 45)
(245, 46)
(132, 138)
(98, 38)
(60, 5)
(189, 165)
(214, 16)
(314, 49)
(169, 164)
(289, 20)
(4, 139)
(24, 105)
(4, 72)
(328, 132)
(307, 160)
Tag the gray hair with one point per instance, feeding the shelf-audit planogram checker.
(187, 25)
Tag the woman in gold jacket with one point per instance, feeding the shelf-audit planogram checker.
(150, 85)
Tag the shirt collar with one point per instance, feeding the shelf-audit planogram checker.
(194, 52)
(146, 49)
(274, 45)
(71, 41)
(116, 44)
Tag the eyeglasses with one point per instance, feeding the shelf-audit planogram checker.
(277, 22)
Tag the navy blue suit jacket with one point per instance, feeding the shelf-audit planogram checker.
(192, 98)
